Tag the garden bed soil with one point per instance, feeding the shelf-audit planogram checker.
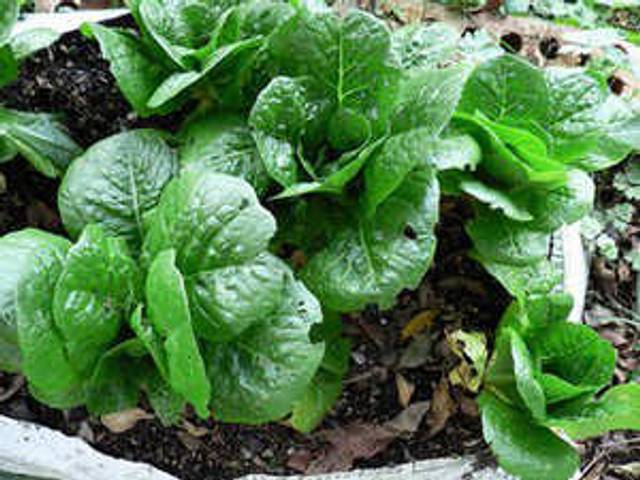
(70, 78)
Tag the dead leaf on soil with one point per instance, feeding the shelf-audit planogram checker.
(300, 460)
(363, 441)
(194, 430)
(471, 348)
(443, 407)
(406, 389)
(417, 353)
(419, 323)
(121, 422)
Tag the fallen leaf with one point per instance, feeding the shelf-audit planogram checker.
(189, 441)
(419, 323)
(442, 408)
(194, 430)
(471, 348)
(299, 460)
(409, 420)
(417, 353)
(406, 389)
(122, 421)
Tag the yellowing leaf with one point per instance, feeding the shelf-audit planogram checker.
(420, 322)
(471, 348)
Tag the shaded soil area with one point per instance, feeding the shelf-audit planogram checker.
(390, 368)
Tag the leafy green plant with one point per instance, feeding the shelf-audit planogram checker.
(546, 376)
(213, 51)
(171, 275)
(40, 138)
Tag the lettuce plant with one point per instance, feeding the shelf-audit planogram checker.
(540, 134)
(168, 274)
(38, 137)
(546, 378)
(210, 50)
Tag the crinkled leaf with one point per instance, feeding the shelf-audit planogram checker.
(499, 239)
(524, 448)
(40, 138)
(16, 253)
(211, 220)
(428, 99)
(226, 301)
(222, 144)
(115, 183)
(418, 45)
(455, 152)
(575, 353)
(42, 346)
(260, 376)
(94, 295)
(370, 260)
(506, 87)
(617, 409)
(168, 309)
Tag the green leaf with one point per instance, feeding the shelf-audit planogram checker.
(506, 87)
(348, 59)
(93, 296)
(226, 301)
(388, 168)
(40, 138)
(8, 18)
(30, 41)
(428, 98)
(617, 409)
(115, 383)
(167, 404)
(495, 198)
(371, 260)
(168, 309)
(498, 239)
(42, 345)
(574, 353)
(558, 390)
(524, 370)
(8, 65)
(211, 220)
(137, 72)
(222, 144)
(115, 183)
(455, 152)
(260, 376)
(16, 253)
(177, 83)
(524, 448)
(419, 45)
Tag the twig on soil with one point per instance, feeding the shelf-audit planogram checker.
(16, 384)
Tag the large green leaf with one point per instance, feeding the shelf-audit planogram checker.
(348, 58)
(419, 45)
(16, 253)
(524, 370)
(575, 353)
(226, 301)
(524, 448)
(94, 296)
(506, 87)
(40, 138)
(137, 72)
(52, 378)
(8, 65)
(455, 152)
(617, 409)
(211, 220)
(428, 98)
(370, 260)
(115, 183)
(222, 144)
(168, 309)
(498, 239)
(260, 376)
(8, 17)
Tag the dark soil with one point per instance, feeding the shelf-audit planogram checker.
(70, 78)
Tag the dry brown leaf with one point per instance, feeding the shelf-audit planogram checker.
(417, 353)
(442, 408)
(409, 420)
(120, 422)
(419, 323)
(406, 389)
(194, 430)
(299, 460)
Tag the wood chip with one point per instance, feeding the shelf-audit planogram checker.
(121, 422)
